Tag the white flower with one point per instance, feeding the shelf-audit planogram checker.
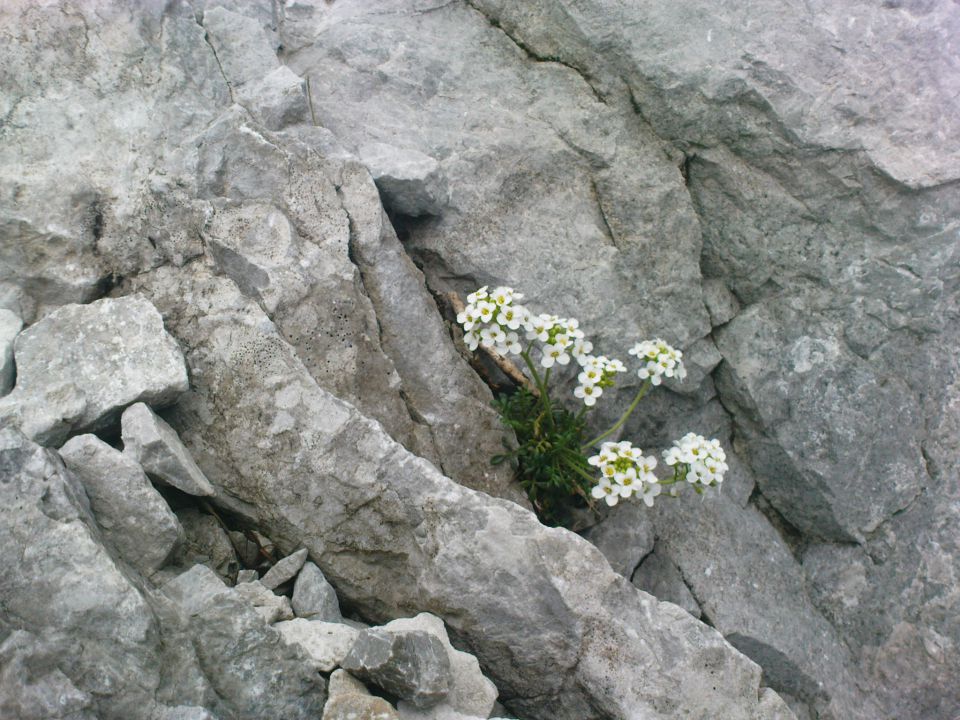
(615, 366)
(705, 460)
(472, 340)
(659, 360)
(502, 296)
(554, 354)
(492, 335)
(485, 311)
(588, 393)
(480, 294)
(605, 489)
(511, 344)
(649, 491)
(591, 375)
(512, 317)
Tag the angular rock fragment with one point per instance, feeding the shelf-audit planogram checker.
(277, 100)
(358, 707)
(313, 597)
(326, 643)
(243, 49)
(10, 325)
(284, 570)
(343, 683)
(134, 517)
(471, 694)
(624, 537)
(411, 182)
(206, 543)
(82, 364)
(410, 664)
(658, 576)
(270, 606)
(156, 446)
(245, 576)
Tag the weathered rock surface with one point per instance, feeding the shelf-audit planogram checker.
(270, 606)
(326, 643)
(470, 695)
(625, 537)
(103, 357)
(410, 664)
(206, 543)
(134, 518)
(658, 576)
(313, 597)
(149, 440)
(10, 326)
(284, 570)
(410, 182)
(558, 636)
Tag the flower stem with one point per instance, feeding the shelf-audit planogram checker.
(623, 418)
(541, 384)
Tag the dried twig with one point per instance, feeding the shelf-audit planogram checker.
(507, 367)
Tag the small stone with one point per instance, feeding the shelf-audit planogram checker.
(658, 576)
(194, 589)
(284, 570)
(411, 182)
(343, 683)
(206, 543)
(412, 665)
(313, 597)
(78, 367)
(157, 447)
(245, 576)
(327, 644)
(10, 326)
(721, 303)
(269, 606)
(133, 516)
(278, 100)
(358, 707)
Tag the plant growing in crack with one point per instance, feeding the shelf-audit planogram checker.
(557, 466)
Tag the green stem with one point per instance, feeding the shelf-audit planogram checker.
(623, 418)
(540, 383)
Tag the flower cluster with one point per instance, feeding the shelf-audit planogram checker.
(598, 373)
(624, 471)
(705, 460)
(659, 360)
(492, 319)
(561, 338)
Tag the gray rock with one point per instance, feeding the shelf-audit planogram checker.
(244, 576)
(247, 663)
(278, 100)
(10, 325)
(410, 664)
(410, 182)
(150, 441)
(113, 352)
(269, 606)
(658, 576)
(243, 50)
(471, 694)
(206, 543)
(133, 516)
(284, 569)
(394, 533)
(326, 643)
(247, 551)
(313, 597)
(721, 303)
(358, 707)
(625, 536)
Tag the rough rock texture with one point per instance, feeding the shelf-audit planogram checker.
(270, 606)
(470, 695)
(206, 543)
(134, 518)
(409, 664)
(313, 597)
(10, 325)
(103, 357)
(155, 446)
(658, 576)
(284, 570)
(327, 643)
(410, 182)
(625, 537)
(420, 532)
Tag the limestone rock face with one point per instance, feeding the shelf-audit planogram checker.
(108, 354)
(133, 516)
(477, 562)
(10, 325)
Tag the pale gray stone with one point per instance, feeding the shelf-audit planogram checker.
(243, 50)
(410, 182)
(658, 576)
(245, 576)
(326, 643)
(343, 683)
(358, 707)
(135, 519)
(150, 441)
(271, 607)
(410, 664)
(284, 569)
(471, 694)
(278, 100)
(421, 532)
(10, 326)
(625, 536)
(114, 352)
(313, 597)
(721, 303)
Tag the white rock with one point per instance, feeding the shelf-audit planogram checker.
(277, 100)
(326, 643)
(156, 446)
(269, 606)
